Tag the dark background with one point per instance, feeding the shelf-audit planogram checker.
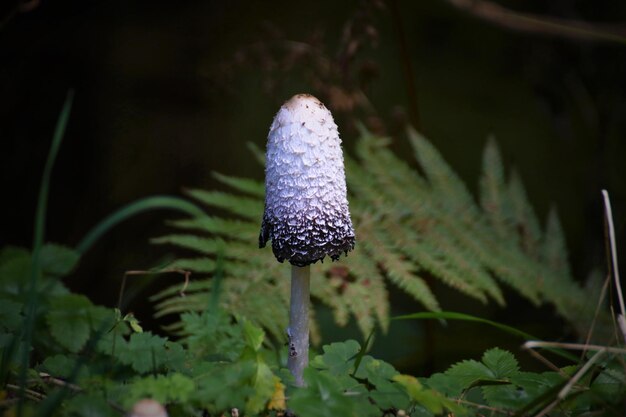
(167, 92)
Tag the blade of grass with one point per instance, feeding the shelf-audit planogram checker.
(145, 204)
(38, 238)
(452, 315)
(361, 353)
(612, 260)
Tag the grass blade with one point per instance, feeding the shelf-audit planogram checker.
(452, 315)
(139, 206)
(38, 238)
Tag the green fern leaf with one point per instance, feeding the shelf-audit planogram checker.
(244, 207)
(245, 185)
(494, 198)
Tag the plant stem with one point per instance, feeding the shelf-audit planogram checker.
(298, 330)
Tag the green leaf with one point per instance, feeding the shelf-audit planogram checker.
(446, 384)
(14, 269)
(502, 363)
(431, 400)
(338, 358)
(69, 320)
(263, 384)
(58, 260)
(375, 370)
(165, 389)
(322, 397)
(470, 372)
(211, 334)
(505, 396)
(223, 386)
(60, 366)
(253, 335)
(10, 315)
(88, 405)
(144, 352)
(610, 384)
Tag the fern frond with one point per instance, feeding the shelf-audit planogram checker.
(554, 252)
(245, 207)
(396, 268)
(408, 227)
(236, 229)
(245, 185)
(444, 181)
(524, 217)
(494, 196)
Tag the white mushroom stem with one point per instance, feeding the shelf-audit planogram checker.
(298, 330)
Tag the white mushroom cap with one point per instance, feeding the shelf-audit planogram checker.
(306, 210)
(148, 408)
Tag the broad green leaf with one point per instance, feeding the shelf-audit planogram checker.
(469, 372)
(88, 405)
(375, 371)
(322, 397)
(446, 384)
(14, 269)
(58, 260)
(505, 396)
(144, 352)
(223, 386)
(389, 395)
(165, 389)
(10, 315)
(253, 335)
(60, 366)
(433, 401)
(502, 363)
(69, 320)
(338, 357)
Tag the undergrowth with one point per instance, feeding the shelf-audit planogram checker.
(62, 355)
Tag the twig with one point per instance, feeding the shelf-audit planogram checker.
(621, 318)
(573, 346)
(64, 384)
(605, 287)
(581, 372)
(485, 407)
(543, 360)
(570, 384)
(34, 395)
(58, 382)
(532, 23)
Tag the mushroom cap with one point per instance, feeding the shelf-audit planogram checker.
(306, 209)
(148, 408)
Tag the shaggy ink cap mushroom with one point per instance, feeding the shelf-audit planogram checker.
(306, 209)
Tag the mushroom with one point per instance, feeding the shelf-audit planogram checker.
(306, 209)
(148, 408)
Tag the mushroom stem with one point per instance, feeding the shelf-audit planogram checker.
(298, 330)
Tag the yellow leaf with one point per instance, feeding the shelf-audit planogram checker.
(277, 402)
(410, 383)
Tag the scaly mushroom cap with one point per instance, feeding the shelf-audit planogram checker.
(306, 210)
